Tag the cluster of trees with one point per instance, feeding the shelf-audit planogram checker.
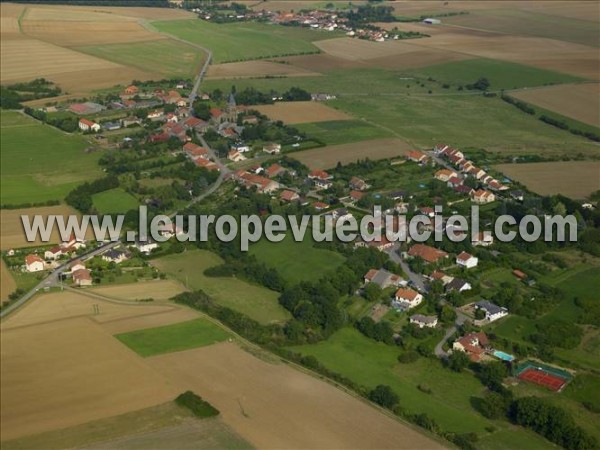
(248, 267)
(519, 104)
(65, 123)
(80, 198)
(196, 404)
(557, 333)
(565, 126)
(12, 95)
(29, 205)
(369, 13)
(252, 96)
(481, 84)
(379, 331)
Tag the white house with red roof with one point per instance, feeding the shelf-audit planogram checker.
(33, 263)
(406, 298)
(88, 125)
(272, 148)
(289, 196)
(53, 253)
(473, 344)
(416, 156)
(235, 156)
(466, 260)
(482, 197)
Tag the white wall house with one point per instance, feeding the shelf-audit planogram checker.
(467, 260)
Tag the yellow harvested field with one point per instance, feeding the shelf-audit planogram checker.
(69, 372)
(55, 306)
(261, 68)
(359, 49)
(328, 157)
(567, 57)
(574, 179)
(155, 289)
(301, 112)
(13, 235)
(577, 101)
(7, 282)
(25, 59)
(266, 403)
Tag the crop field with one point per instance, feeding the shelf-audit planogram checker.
(416, 58)
(308, 263)
(265, 402)
(33, 156)
(114, 201)
(301, 112)
(175, 58)
(425, 119)
(343, 131)
(87, 375)
(173, 338)
(578, 101)
(565, 57)
(259, 68)
(155, 289)
(243, 41)
(13, 235)
(358, 49)
(164, 426)
(328, 157)
(529, 23)
(257, 302)
(7, 284)
(575, 179)
(370, 363)
(501, 74)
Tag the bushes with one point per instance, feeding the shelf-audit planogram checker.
(384, 396)
(521, 105)
(196, 405)
(381, 331)
(80, 198)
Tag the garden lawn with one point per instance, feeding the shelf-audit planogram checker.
(114, 201)
(369, 363)
(296, 261)
(39, 162)
(173, 338)
(244, 40)
(257, 302)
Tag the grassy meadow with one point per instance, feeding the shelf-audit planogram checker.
(39, 162)
(244, 40)
(165, 56)
(296, 261)
(257, 302)
(114, 201)
(343, 131)
(173, 338)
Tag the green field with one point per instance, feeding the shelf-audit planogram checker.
(257, 302)
(166, 57)
(342, 131)
(296, 261)
(173, 338)
(114, 201)
(40, 163)
(244, 40)
(528, 23)
(370, 363)
(500, 74)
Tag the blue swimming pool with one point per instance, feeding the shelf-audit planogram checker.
(503, 356)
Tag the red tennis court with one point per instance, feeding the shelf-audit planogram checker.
(543, 378)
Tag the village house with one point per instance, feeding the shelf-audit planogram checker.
(476, 172)
(263, 185)
(321, 179)
(466, 260)
(76, 265)
(240, 147)
(114, 255)
(383, 278)
(517, 195)
(356, 196)
(382, 243)
(473, 344)
(170, 117)
(357, 184)
(416, 156)
(438, 275)
(272, 148)
(274, 170)
(33, 263)
(483, 239)
(424, 321)
(129, 121)
(146, 245)
(176, 130)
(235, 156)
(482, 197)
(464, 189)
(427, 253)
(131, 90)
(289, 196)
(157, 114)
(458, 285)
(320, 206)
(88, 125)
(194, 151)
(445, 174)
(492, 311)
(206, 164)
(193, 123)
(82, 277)
(406, 298)
(53, 253)
(454, 182)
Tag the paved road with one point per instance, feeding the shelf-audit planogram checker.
(460, 319)
(417, 279)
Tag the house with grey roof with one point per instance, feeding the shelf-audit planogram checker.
(384, 278)
(492, 311)
(424, 321)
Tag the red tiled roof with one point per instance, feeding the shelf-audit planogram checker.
(429, 254)
(464, 256)
(89, 123)
(82, 274)
(407, 294)
(30, 259)
(289, 195)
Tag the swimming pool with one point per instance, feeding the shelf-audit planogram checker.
(503, 356)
